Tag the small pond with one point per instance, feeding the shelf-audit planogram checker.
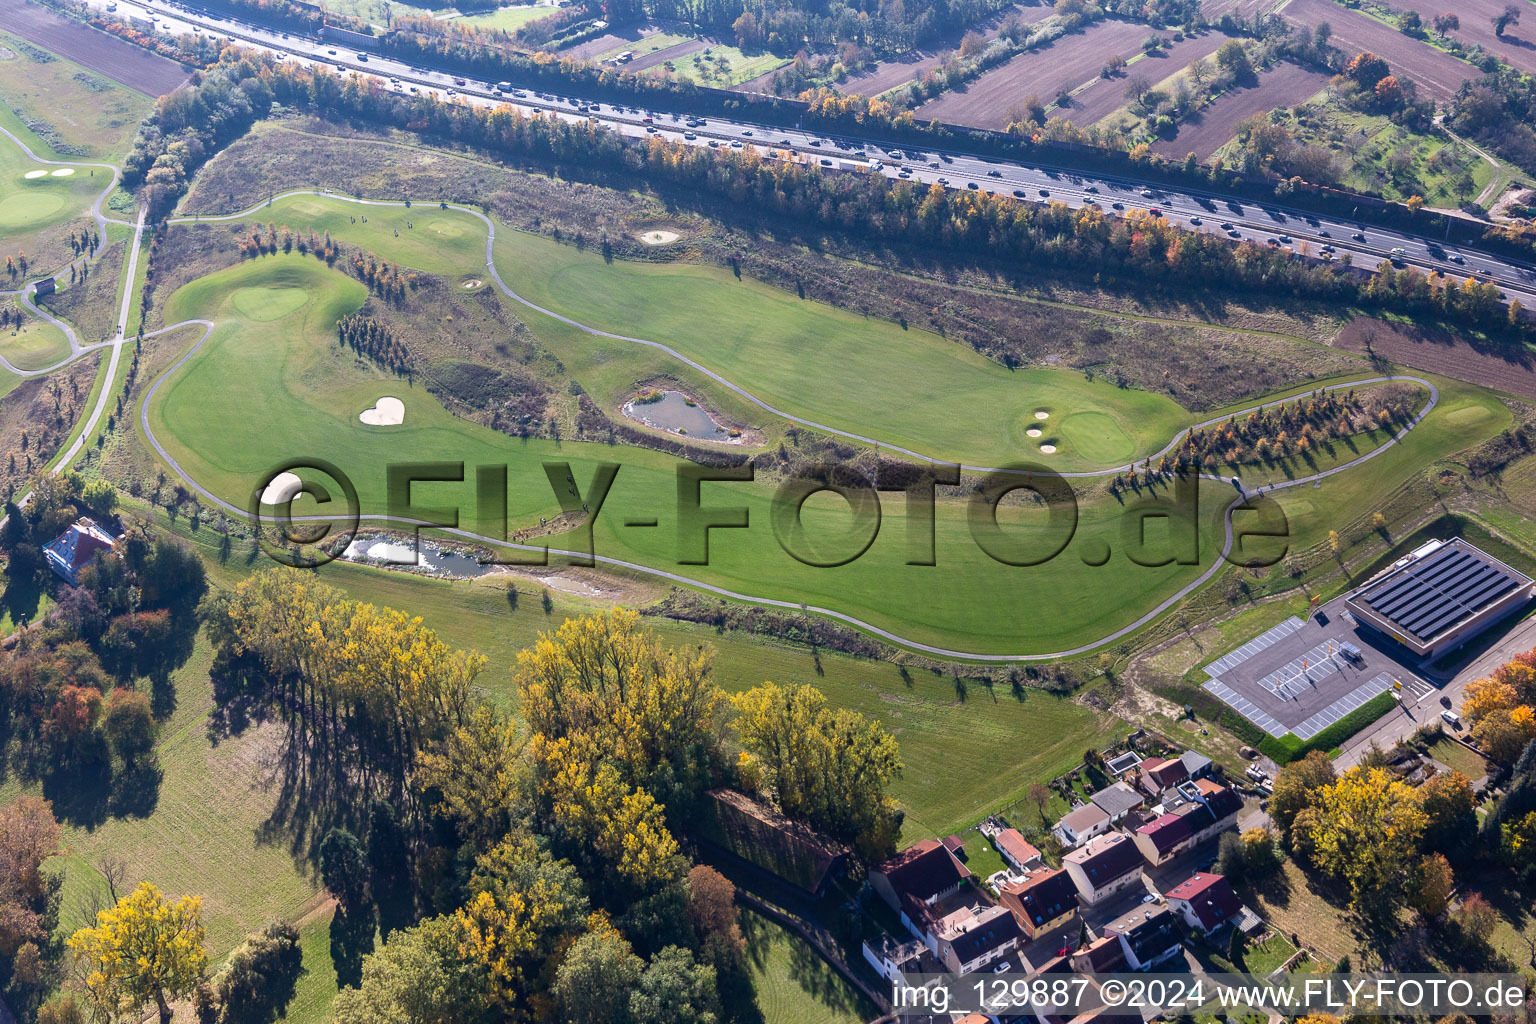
(436, 560)
(672, 411)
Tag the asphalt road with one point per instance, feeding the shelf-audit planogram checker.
(1187, 207)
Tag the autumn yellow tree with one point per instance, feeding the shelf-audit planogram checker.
(143, 950)
(1433, 884)
(474, 777)
(1364, 830)
(650, 710)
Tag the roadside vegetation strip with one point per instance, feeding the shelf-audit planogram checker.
(1285, 749)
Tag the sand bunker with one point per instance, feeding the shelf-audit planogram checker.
(1048, 449)
(1034, 431)
(35, 174)
(63, 172)
(386, 412)
(472, 283)
(282, 488)
(659, 237)
(1042, 414)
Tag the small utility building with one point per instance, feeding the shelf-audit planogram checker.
(1440, 596)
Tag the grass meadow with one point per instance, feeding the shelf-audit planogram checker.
(89, 116)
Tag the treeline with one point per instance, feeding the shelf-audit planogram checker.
(373, 339)
(190, 125)
(1501, 709)
(1292, 429)
(1499, 111)
(536, 868)
(1136, 247)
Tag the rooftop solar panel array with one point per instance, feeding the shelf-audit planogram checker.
(1447, 587)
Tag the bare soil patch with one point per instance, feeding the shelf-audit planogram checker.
(888, 74)
(1283, 85)
(1438, 73)
(1107, 95)
(1508, 368)
(1517, 47)
(665, 54)
(122, 62)
(607, 41)
(1065, 64)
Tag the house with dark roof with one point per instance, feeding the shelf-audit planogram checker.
(896, 960)
(1117, 801)
(1192, 816)
(973, 937)
(1104, 866)
(1081, 825)
(1016, 851)
(1041, 902)
(1205, 901)
(1101, 956)
(1148, 936)
(1158, 774)
(924, 873)
(75, 548)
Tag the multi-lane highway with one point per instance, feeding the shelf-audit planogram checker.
(1308, 234)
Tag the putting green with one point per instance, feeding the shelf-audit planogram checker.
(37, 346)
(32, 204)
(261, 392)
(907, 387)
(1096, 437)
(267, 304)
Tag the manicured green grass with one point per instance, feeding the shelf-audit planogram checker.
(508, 19)
(1268, 955)
(28, 205)
(262, 392)
(1458, 758)
(722, 66)
(80, 109)
(905, 387)
(37, 345)
(794, 985)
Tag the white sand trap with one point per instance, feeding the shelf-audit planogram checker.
(35, 174)
(659, 237)
(1042, 415)
(1034, 431)
(386, 412)
(1048, 449)
(63, 172)
(282, 488)
(473, 282)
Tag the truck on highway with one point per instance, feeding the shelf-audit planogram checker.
(503, 87)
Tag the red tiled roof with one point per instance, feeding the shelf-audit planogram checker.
(1012, 844)
(1209, 896)
(1166, 832)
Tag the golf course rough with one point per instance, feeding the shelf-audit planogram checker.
(300, 396)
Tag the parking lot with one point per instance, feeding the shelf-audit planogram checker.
(1297, 678)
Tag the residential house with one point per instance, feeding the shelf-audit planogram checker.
(895, 960)
(75, 548)
(1101, 956)
(1205, 901)
(1081, 825)
(1117, 801)
(1016, 851)
(1148, 936)
(1104, 866)
(1157, 774)
(1042, 902)
(1169, 835)
(917, 879)
(973, 937)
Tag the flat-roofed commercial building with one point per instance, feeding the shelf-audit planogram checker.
(1439, 597)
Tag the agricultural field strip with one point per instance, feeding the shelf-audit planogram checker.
(1434, 397)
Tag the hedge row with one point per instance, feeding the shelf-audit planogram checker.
(1290, 748)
